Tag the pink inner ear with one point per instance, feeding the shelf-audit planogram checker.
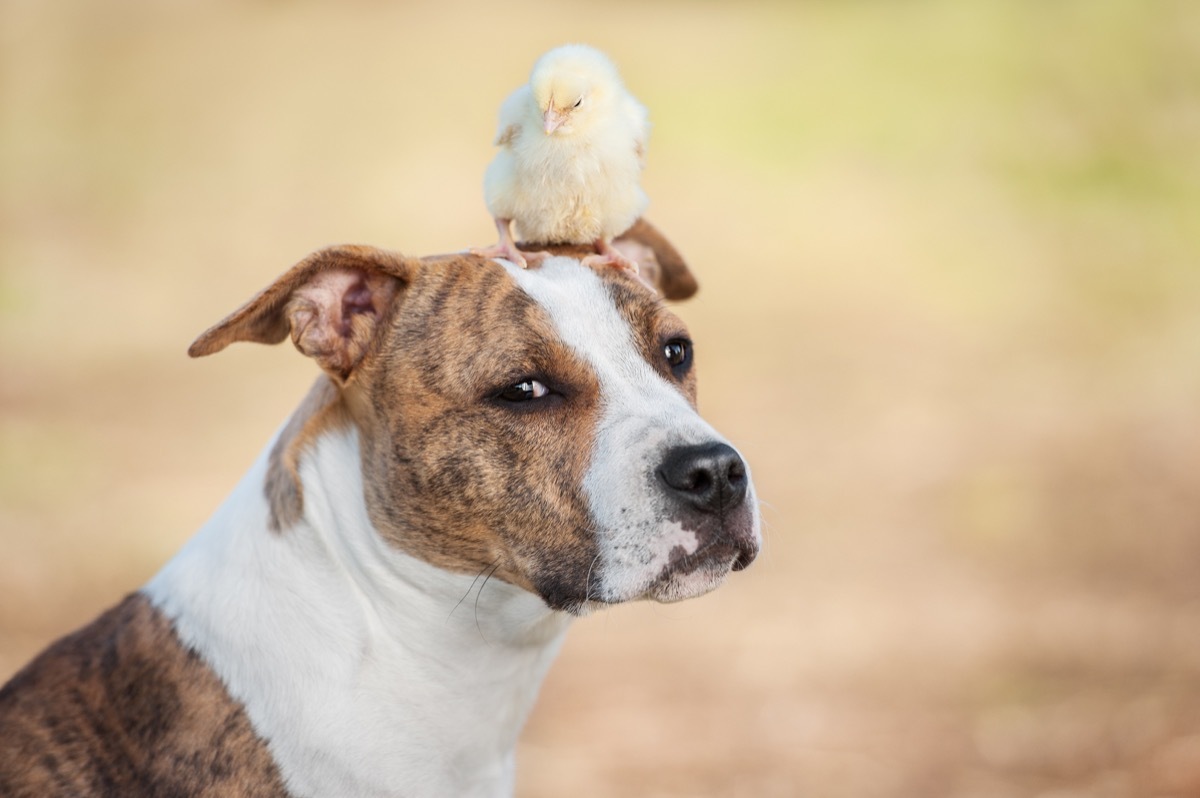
(634, 250)
(333, 317)
(337, 295)
(645, 259)
(358, 298)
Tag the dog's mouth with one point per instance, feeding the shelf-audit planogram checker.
(688, 575)
(685, 575)
(729, 539)
(715, 553)
(676, 558)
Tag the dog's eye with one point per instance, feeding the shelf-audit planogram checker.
(524, 391)
(678, 352)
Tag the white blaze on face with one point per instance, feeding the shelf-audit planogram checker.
(642, 416)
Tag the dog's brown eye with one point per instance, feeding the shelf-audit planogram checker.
(523, 391)
(678, 353)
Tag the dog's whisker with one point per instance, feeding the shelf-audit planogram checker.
(587, 582)
(494, 567)
(464, 595)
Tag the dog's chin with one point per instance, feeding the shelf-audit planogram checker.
(679, 582)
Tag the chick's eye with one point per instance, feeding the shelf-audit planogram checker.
(678, 353)
(578, 103)
(524, 391)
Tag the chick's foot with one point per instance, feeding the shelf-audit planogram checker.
(607, 255)
(507, 248)
(510, 252)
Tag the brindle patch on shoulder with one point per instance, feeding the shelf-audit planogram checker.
(121, 708)
(321, 410)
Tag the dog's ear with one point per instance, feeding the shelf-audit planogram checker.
(659, 263)
(331, 302)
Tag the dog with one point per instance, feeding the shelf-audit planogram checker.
(489, 453)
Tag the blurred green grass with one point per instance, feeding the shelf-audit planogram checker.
(950, 273)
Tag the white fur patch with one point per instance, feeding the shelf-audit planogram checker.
(642, 415)
(367, 671)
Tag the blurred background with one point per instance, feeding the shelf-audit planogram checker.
(949, 256)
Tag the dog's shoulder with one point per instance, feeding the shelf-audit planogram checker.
(120, 707)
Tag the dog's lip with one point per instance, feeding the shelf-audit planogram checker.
(731, 544)
(714, 552)
(589, 605)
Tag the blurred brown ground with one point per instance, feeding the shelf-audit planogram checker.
(950, 309)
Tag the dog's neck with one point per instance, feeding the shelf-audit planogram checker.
(374, 673)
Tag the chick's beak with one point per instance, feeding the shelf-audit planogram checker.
(551, 119)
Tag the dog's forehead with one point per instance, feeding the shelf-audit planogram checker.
(591, 313)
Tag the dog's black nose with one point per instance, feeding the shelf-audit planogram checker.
(710, 477)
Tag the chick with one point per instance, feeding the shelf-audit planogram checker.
(572, 149)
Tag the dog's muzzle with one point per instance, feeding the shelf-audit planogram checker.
(707, 483)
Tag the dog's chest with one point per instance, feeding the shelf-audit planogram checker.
(358, 692)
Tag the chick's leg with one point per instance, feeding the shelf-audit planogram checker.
(507, 248)
(607, 255)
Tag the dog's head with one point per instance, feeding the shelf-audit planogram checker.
(538, 425)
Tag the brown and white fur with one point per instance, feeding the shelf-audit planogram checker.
(372, 610)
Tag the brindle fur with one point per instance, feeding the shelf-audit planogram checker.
(121, 708)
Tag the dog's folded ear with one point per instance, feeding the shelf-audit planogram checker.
(331, 303)
(660, 264)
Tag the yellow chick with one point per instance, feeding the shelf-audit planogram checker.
(572, 149)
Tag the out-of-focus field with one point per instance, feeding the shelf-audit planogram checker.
(950, 310)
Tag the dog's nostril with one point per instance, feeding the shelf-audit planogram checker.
(710, 477)
(698, 480)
